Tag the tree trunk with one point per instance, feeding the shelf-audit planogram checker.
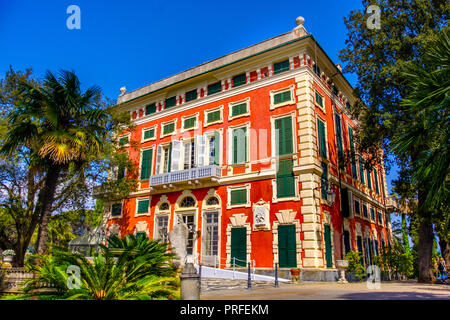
(45, 202)
(425, 249)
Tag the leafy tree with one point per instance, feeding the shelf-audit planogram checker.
(380, 58)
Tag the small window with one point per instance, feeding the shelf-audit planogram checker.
(319, 99)
(239, 80)
(191, 95)
(213, 116)
(189, 123)
(372, 214)
(116, 209)
(282, 97)
(365, 212)
(316, 69)
(239, 109)
(142, 206)
(281, 66)
(123, 141)
(238, 196)
(214, 88)
(151, 108)
(187, 202)
(357, 208)
(164, 206)
(212, 201)
(148, 134)
(171, 102)
(335, 90)
(169, 128)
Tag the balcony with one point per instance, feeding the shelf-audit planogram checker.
(189, 176)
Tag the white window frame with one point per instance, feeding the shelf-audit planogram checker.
(208, 135)
(206, 112)
(239, 187)
(155, 127)
(123, 136)
(326, 138)
(153, 160)
(136, 214)
(273, 133)
(286, 103)
(230, 144)
(183, 141)
(111, 217)
(323, 100)
(167, 123)
(230, 109)
(183, 118)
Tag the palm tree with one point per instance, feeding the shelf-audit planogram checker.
(63, 128)
(428, 106)
(106, 277)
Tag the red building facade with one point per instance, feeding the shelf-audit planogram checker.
(244, 149)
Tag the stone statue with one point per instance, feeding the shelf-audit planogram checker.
(178, 242)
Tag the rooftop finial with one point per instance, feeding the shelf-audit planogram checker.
(299, 30)
(123, 90)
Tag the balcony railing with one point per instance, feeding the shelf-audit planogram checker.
(181, 176)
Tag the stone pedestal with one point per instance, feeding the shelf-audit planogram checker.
(189, 279)
(342, 265)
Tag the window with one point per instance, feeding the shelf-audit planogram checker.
(380, 217)
(116, 209)
(239, 145)
(213, 116)
(348, 106)
(375, 176)
(146, 163)
(151, 108)
(239, 80)
(238, 196)
(285, 179)
(361, 170)
(337, 119)
(166, 153)
(189, 154)
(369, 179)
(324, 181)
(365, 212)
(319, 100)
(168, 128)
(214, 149)
(322, 138)
(283, 136)
(357, 208)
(281, 66)
(281, 97)
(190, 123)
(372, 214)
(191, 95)
(149, 134)
(239, 109)
(214, 88)
(334, 90)
(212, 233)
(212, 201)
(121, 172)
(171, 102)
(123, 141)
(164, 206)
(187, 202)
(352, 151)
(162, 224)
(143, 206)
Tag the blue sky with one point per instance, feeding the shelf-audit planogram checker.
(133, 43)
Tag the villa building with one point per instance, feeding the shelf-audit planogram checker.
(244, 150)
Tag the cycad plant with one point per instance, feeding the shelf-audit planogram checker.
(106, 277)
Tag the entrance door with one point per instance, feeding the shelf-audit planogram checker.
(287, 248)
(239, 246)
(328, 247)
(359, 244)
(188, 219)
(210, 237)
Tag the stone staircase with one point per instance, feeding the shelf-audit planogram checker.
(209, 284)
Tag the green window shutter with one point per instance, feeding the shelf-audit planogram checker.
(369, 179)
(283, 136)
(239, 109)
(281, 66)
(143, 206)
(335, 90)
(352, 150)
(328, 246)
(239, 80)
(189, 123)
(191, 95)
(169, 128)
(324, 181)
(337, 119)
(149, 134)
(216, 148)
(361, 170)
(372, 214)
(287, 248)
(375, 175)
(116, 209)
(146, 164)
(380, 217)
(123, 141)
(239, 246)
(170, 157)
(214, 88)
(238, 196)
(357, 208)
(171, 102)
(151, 108)
(322, 139)
(213, 116)
(282, 97)
(239, 145)
(319, 99)
(285, 179)
(365, 212)
(347, 241)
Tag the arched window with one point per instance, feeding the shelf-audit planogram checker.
(164, 206)
(187, 202)
(212, 201)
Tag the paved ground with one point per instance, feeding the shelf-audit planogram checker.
(405, 290)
